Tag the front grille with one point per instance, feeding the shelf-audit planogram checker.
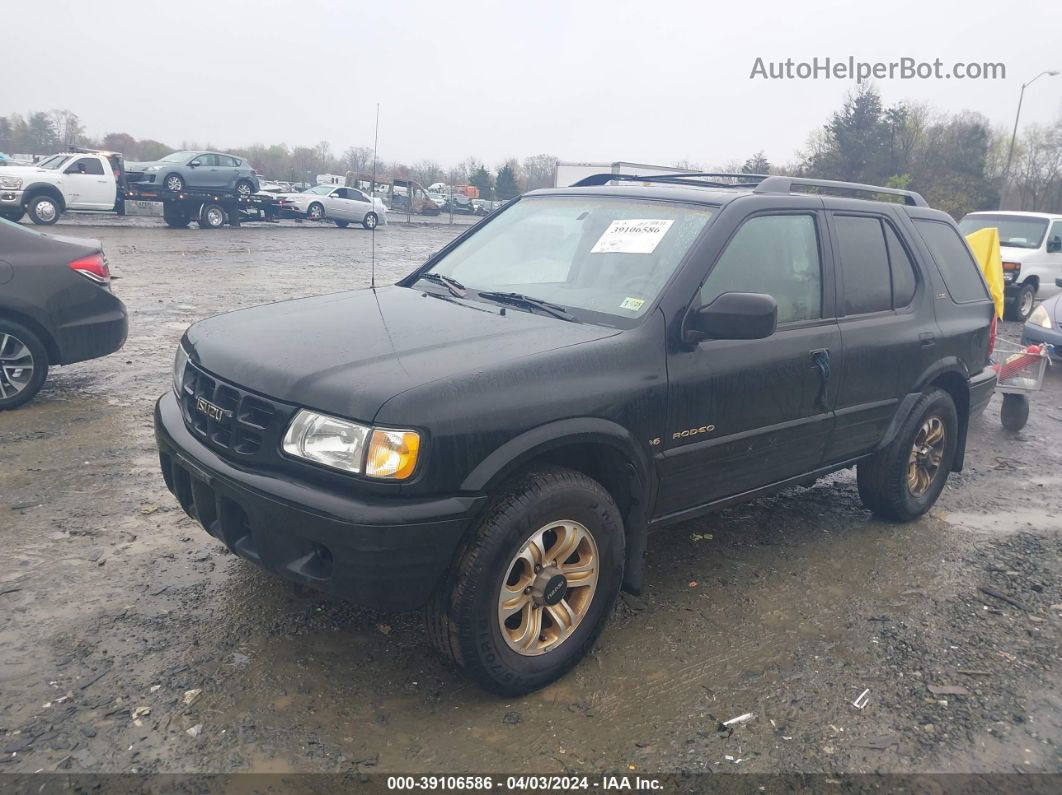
(251, 426)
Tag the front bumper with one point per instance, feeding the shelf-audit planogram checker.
(10, 198)
(388, 554)
(1031, 334)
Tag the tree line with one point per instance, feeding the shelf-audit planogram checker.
(957, 161)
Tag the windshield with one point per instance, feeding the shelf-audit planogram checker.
(55, 161)
(1014, 230)
(177, 157)
(599, 257)
(320, 190)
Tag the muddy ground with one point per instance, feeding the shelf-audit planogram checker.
(131, 640)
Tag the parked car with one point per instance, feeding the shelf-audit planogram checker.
(56, 307)
(1031, 246)
(84, 181)
(494, 435)
(336, 203)
(196, 169)
(1045, 323)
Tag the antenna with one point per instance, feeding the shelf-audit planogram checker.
(372, 234)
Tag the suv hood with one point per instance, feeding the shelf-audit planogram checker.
(1015, 254)
(348, 353)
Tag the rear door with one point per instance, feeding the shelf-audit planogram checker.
(749, 413)
(360, 203)
(888, 334)
(228, 171)
(87, 185)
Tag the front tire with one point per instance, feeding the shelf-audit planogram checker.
(14, 216)
(342, 224)
(44, 210)
(315, 212)
(370, 221)
(1022, 306)
(904, 480)
(23, 364)
(534, 583)
(174, 183)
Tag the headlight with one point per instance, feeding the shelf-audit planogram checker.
(1040, 317)
(152, 168)
(180, 362)
(11, 183)
(351, 447)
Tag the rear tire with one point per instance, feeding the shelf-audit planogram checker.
(370, 221)
(894, 483)
(212, 216)
(1022, 306)
(1015, 412)
(20, 349)
(44, 210)
(244, 188)
(464, 617)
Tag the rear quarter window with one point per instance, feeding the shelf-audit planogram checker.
(956, 264)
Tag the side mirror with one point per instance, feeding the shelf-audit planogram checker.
(1054, 244)
(1058, 282)
(733, 316)
(194, 164)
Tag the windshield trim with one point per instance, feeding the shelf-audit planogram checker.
(588, 316)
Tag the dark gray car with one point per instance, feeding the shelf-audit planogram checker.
(56, 307)
(196, 169)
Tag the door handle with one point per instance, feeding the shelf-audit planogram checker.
(820, 360)
(926, 339)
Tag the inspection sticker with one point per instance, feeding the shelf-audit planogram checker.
(631, 236)
(633, 304)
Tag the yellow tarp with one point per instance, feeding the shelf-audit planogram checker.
(985, 246)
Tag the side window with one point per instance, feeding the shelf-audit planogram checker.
(207, 160)
(957, 266)
(85, 165)
(864, 264)
(1054, 238)
(904, 280)
(357, 195)
(340, 193)
(773, 254)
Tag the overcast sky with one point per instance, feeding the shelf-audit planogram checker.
(648, 82)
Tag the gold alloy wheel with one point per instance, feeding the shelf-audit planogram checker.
(548, 588)
(926, 454)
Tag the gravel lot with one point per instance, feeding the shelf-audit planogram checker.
(131, 640)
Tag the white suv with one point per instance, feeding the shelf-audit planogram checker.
(1031, 245)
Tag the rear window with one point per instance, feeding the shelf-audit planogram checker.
(954, 260)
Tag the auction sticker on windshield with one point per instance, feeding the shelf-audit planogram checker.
(631, 236)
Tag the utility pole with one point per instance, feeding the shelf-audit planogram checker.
(1014, 134)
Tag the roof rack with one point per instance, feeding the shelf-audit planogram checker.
(695, 178)
(786, 184)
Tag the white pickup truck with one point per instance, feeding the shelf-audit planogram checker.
(69, 181)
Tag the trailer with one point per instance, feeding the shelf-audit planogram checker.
(210, 209)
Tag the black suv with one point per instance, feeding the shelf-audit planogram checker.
(494, 436)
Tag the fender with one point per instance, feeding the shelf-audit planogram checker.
(38, 188)
(949, 364)
(580, 430)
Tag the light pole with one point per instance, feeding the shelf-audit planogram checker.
(1014, 135)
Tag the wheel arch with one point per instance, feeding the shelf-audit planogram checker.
(952, 375)
(600, 449)
(50, 345)
(43, 189)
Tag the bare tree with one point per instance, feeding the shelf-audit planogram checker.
(540, 171)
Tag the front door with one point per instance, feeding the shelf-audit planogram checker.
(749, 413)
(87, 186)
(1053, 259)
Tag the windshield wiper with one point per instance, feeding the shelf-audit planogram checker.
(520, 299)
(455, 287)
